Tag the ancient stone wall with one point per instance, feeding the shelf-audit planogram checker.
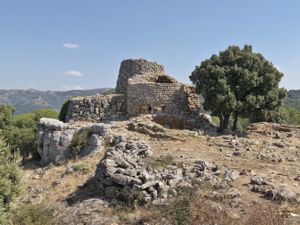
(150, 98)
(131, 67)
(97, 108)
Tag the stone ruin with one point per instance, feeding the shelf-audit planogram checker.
(143, 87)
(125, 174)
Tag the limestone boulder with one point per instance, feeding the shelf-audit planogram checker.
(55, 137)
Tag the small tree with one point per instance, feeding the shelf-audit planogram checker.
(238, 82)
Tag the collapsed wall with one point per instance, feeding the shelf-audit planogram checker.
(125, 173)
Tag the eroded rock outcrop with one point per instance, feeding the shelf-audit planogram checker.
(57, 144)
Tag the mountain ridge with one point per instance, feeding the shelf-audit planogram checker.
(27, 100)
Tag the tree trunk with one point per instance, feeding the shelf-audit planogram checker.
(224, 122)
(236, 117)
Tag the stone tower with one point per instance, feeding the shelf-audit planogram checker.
(131, 67)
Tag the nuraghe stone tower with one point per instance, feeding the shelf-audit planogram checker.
(143, 87)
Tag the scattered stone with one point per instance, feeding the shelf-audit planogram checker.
(124, 169)
(297, 178)
(278, 144)
(282, 195)
(256, 180)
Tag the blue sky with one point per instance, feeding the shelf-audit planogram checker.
(66, 44)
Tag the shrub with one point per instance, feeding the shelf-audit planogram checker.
(9, 179)
(32, 215)
(180, 209)
(82, 168)
(79, 141)
(6, 116)
(64, 111)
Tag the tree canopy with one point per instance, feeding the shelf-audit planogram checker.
(238, 82)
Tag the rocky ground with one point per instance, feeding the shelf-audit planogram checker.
(147, 166)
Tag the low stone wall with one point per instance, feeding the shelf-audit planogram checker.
(97, 108)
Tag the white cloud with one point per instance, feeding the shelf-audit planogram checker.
(71, 45)
(73, 73)
(71, 87)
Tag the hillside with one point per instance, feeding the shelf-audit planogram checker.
(28, 100)
(244, 180)
(293, 99)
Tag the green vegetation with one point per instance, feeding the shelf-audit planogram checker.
(78, 142)
(239, 83)
(32, 215)
(291, 116)
(110, 91)
(293, 99)
(20, 131)
(9, 180)
(64, 110)
(81, 168)
(179, 210)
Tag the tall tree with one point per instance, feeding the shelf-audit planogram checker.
(238, 82)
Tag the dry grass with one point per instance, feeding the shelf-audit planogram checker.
(161, 161)
(196, 209)
(69, 182)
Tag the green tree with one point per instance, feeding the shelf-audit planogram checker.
(6, 116)
(9, 179)
(20, 131)
(238, 82)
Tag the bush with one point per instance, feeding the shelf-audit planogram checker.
(24, 121)
(9, 179)
(64, 111)
(32, 215)
(78, 141)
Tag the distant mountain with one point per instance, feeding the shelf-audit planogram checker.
(28, 100)
(293, 99)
